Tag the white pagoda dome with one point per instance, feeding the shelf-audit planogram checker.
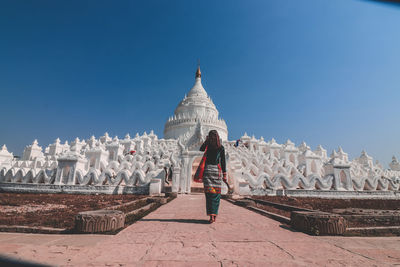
(195, 114)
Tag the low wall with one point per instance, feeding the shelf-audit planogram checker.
(328, 193)
(74, 189)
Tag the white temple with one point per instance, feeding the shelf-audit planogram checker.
(196, 110)
(141, 164)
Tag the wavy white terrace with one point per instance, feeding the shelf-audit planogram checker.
(146, 160)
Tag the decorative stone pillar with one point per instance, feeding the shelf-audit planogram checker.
(175, 179)
(6, 158)
(157, 184)
(66, 171)
(311, 161)
(91, 141)
(320, 151)
(105, 138)
(341, 173)
(275, 149)
(128, 144)
(68, 164)
(262, 146)
(184, 184)
(56, 148)
(76, 145)
(290, 153)
(394, 165)
(33, 151)
(96, 155)
(114, 149)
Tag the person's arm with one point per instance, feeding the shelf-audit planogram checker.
(223, 163)
(204, 145)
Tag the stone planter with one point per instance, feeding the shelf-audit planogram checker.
(99, 221)
(318, 223)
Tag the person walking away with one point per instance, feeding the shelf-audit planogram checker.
(214, 173)
(170, 173)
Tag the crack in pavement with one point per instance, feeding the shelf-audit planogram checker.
(147, 251)
(393, 257)
(284, 250)
(242, 241)
(215, 255)
(232, 262)
(356, 253)
(163, 232)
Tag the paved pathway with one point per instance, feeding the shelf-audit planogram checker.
(177, 235)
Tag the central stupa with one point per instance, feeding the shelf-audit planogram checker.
(194, 116)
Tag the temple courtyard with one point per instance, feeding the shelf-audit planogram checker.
(177, 234)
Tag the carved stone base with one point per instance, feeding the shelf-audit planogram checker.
(99, 221)
(318, 223)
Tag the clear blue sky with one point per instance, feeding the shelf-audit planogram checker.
(326, 72)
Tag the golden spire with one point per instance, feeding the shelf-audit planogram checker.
(198, 72)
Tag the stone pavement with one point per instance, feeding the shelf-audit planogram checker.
(177, 234)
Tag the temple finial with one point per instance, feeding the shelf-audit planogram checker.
(198, 72)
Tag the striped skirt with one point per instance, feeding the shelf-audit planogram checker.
(212, 181)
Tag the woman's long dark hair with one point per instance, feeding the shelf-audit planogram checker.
(213, 141)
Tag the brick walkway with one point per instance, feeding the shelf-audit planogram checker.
(177, 235)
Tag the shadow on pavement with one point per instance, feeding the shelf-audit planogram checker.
(9, 262)
(287, 228)
(177, 220)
